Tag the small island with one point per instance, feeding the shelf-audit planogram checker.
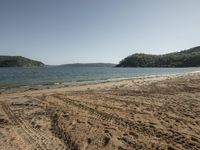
(19, 61)
(185, 58)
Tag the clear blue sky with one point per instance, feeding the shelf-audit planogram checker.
(70, 31)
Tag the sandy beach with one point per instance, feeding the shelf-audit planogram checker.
(158, 112)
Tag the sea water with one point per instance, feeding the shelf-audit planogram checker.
(67, 74)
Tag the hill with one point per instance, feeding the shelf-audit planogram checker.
(185, 58)
(91, 65)
(18, 61)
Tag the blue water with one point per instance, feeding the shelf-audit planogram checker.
(51, 75)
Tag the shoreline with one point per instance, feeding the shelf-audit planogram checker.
(28, 82)
(94, 85)
(84, 82)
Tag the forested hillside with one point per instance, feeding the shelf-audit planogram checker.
(186, 58)
(18, 61)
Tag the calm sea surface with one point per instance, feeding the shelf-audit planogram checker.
(51, 75)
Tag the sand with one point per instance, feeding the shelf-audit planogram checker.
(158, 112)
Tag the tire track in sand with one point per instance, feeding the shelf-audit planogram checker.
(57, 127)
(37, 139)
(169, 137)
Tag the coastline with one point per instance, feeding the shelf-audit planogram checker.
(62, 76)
(89, 85)
(80, 83)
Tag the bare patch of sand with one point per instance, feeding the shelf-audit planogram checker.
(144, 113)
